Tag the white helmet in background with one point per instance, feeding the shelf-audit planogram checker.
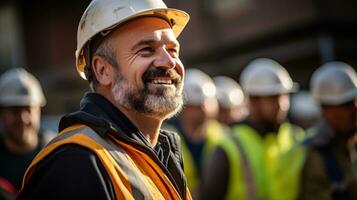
(20, 88)
(102, 16)
(198, 87)
(266, 77)
(304, 107)
(334, 83)
(229, 93)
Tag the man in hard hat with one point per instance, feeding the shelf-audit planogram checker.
(230, 99)
(113, 147)
(21, 100)
(196, 124)
(256, 161)
(330, 170)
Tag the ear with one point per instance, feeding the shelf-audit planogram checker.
(102, 70)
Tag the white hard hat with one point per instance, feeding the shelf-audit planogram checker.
(20, 88)
(303, 105)
(229, 93)
(266, 77)
(334, 83)
(101, 16)
(198, 87)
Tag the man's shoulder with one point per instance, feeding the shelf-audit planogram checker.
(68, 160)
(69, 168)
(71, 153)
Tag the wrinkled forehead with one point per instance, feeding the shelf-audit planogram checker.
(146, 28)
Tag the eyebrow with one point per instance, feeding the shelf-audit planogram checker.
(143, 43)
(151, 42)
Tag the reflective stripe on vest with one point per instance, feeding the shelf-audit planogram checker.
(275, 162)
(133, 174)
(236, 188)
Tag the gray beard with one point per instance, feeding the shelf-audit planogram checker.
(159, 104)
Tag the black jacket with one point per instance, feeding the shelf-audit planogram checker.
(74, 172)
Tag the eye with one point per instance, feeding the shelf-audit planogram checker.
(146, 51)
(173, 52)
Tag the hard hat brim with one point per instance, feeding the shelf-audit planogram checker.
(22, 101)
(336, 100)
(272, 90)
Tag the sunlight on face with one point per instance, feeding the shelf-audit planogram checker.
(149, 76)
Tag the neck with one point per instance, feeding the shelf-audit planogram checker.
(149, 126)
(28, 145)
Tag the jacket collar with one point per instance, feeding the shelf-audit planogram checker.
(100, 114)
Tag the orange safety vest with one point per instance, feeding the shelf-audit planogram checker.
(133, 174)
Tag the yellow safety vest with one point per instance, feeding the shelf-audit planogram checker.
(133, 174)
(215, 132)
(274, 163)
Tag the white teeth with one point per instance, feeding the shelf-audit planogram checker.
(162, 81)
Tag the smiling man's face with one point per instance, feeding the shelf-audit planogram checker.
(150, 75)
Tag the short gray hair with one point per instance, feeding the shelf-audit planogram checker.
(104, 50)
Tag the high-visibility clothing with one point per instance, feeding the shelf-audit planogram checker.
(215, 132)
(330, 169)
(133, 174)
(264, 168)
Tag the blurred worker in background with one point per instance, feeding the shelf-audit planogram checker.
(113, 147)
(231, 100)
(197, 125)
(21, 99)
(330, 171)
(304, 110)
(257, 160)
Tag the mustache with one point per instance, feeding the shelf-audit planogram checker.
(154, 72)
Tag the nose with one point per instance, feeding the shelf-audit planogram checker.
(164, 60)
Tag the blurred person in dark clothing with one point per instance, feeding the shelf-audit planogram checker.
(330, 171)
(21, 100)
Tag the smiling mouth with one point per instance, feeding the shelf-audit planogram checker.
(161, 77)
(162, 81)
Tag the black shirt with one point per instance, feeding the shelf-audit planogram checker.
(13, 166)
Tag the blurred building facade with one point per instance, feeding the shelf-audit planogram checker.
(221, 38)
